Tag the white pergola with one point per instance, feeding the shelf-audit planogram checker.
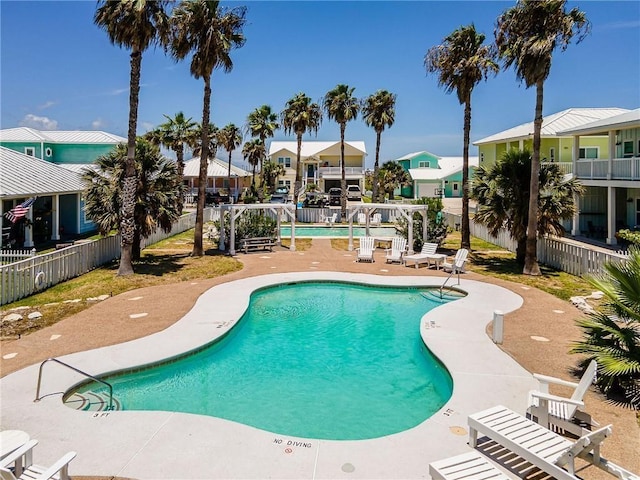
(288, 209)
(406, 211)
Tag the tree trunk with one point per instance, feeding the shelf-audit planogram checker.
(531, 266)
(465, 232)
(136, 251)
(297, 185)
(521, 249)
(343, 182)
(198, 250)
(180, 165)
(376, 169)
(129, 183)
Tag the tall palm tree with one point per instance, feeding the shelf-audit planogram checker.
(342, 106)
(502, 192)
(229, 138)
(262, 123)
(253, 152)
(157, 190)
(174, 134)
(611, 335)
(135, 25)
(300, 116)
(461, 62)
(526, 36)
(209, 32)
(379, 112)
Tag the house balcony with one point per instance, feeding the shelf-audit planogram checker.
(336, 172)
(565, 167)
(598, 169)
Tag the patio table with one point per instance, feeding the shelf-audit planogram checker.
(438, 259)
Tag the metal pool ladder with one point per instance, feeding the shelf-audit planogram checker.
(95, 379)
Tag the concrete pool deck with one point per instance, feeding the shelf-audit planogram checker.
(170, 445)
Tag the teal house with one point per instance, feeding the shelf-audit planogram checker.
(46, 165)
(434, 176)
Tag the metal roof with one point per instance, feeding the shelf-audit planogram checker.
(25, 134)
(23, 175)
(555, 123)
(216, 168)
(447, 166)
(411, 155)
(311, 148)
(630, 119)
(79, 167)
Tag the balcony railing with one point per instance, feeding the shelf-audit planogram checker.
(621, 169)
(338, 171)
(565, 167)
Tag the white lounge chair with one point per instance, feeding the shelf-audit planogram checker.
(365, 250)
(542, 448)
(362, 219)
(21, 461)
(331, 219)
(560, 413)
(457, 265)
(398, 247)
(425, 255)
(376, 219)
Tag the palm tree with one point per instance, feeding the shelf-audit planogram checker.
(611, 335)
(157, 190)
(502, 192)
(379, 112)
(174, 134)
(253, 152)
(342, 106)
(526, 36)
(391, 176)
(300, 116)
(271, 172)
(461, 62)
(135, 25)
(208, 31)
(262, 123)
(229, 138)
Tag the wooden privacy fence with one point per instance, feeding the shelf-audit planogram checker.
(26, 277)
(554, 252)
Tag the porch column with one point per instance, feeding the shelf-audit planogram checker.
(443, 194)
(575, 225)
(612, 153)
(55, 217)
(575, 154)
(611, 215)
(28, 230)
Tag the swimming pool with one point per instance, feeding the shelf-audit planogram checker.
(323, 360)
(338, 232)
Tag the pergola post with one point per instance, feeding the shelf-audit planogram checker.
(222, 234)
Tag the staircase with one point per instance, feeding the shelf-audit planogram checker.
(92, 402)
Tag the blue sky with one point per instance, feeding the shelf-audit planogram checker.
(59, 71)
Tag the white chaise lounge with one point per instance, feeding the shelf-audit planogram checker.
(425, 255)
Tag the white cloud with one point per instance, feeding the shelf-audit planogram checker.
(147, 126)
(620, 25)
(40, 123)
(118, 91)
(46, 105)
(97, 124)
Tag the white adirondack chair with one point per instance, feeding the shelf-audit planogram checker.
(561, 413)
(365, 250)
(18, 465)
(398, 247)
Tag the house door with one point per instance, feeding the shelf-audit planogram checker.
(311, 173)
(455, 187)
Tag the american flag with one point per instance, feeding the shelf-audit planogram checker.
(19, 211)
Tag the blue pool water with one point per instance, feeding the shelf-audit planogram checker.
(336, 231)
(317, 360)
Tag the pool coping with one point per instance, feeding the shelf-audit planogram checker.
(177, 445)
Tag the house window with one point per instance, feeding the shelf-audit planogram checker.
(552, 154)
(286, 161)
(481, 157)
(627, 149)
(283, 183)
(424, 164)
(455, 187)
(588, 153)
(30, 151)
(48, 152)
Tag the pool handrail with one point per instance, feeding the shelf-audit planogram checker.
(95, 379)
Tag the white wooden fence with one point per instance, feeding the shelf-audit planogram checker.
(26, 277)
(554, 252)
(10, 256)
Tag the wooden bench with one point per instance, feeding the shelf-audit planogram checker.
(256, 243)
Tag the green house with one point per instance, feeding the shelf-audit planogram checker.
(434, 176)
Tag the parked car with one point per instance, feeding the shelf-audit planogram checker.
(353, 192)
(278, 198)
(314, 200)
(334, 196)
(282, 189)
